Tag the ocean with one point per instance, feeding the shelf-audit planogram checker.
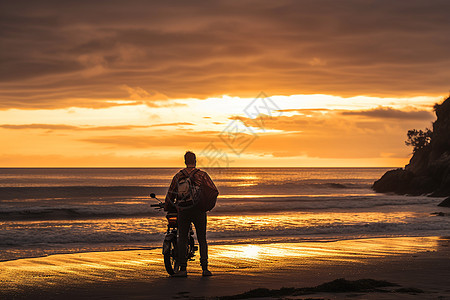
(48, 211)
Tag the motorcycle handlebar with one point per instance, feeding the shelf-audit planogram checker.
(159, 205)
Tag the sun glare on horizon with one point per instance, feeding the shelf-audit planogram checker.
(296, 130)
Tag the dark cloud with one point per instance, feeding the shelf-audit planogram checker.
(80, 53)
(391, 113)
(303, 110)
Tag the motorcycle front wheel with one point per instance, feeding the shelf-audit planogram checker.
(170, 257)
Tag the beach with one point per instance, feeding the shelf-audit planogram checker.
(420, 266)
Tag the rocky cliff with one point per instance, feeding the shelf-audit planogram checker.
(428, 171)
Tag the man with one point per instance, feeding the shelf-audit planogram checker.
(195, 214)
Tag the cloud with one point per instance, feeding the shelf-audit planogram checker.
(149, 141)
(173, 124)
(321, 134)
(87, 127)
(338, 119)
(303, 110)
(149, 97)
(331, 134)
(83, 53)
(391, 113)
(105, 159)
(317, 62)
(39, 126)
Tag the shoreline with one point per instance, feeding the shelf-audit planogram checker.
(412, 262)
(230, 242)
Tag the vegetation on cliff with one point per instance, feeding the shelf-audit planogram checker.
(428, 171)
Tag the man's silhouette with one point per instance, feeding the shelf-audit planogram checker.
(195, 214)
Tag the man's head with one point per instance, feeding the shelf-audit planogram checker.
(190, 159)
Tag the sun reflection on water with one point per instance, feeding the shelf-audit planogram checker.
(250, 251)
(347, 250)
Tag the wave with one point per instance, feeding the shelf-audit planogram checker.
(63, 209)
(66, 236)
(319, 185)
(45, 192)
(9, 193)
(317, 204)
(71, 214)
(303, 184)
(88, 233)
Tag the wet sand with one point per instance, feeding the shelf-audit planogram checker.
(419, 262)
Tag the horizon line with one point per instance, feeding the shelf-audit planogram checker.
(235, 167)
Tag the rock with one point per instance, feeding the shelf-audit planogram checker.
(412, 291)
(445, 203)
(439, 214)
(396, 181)
(419, 161)
(428, 171)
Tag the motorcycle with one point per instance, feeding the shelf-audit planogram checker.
(170, 249)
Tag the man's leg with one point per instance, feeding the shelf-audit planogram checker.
(200, 221)
(184, 222)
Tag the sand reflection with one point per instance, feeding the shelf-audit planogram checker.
(342, 250)
(267, 261)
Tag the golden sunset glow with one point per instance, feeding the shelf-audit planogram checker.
(302, 130)
(224, 149)
(113, 88)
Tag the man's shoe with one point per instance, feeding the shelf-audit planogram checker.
(206, 273)
(181, 273)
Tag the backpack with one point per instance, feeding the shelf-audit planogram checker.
(188, 193)
(208, 198)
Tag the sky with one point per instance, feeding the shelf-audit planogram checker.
(240, 83)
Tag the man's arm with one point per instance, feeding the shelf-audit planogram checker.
(171, 194)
